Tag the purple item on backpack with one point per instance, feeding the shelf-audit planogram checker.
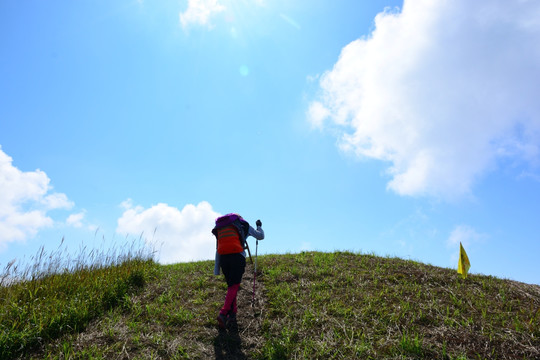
(226, 220)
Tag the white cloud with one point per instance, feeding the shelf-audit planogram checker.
(317, 114)
(441, 91)
(181, 235)
(75, 220)
(57, 201)
(199, 12)
(466, 235)
(25, 199)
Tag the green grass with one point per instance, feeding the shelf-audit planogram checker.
(308, 306)
(57, 295)
(344, 305)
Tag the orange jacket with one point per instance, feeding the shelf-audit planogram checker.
(228, 241)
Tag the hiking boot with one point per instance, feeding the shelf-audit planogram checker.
(222, 321)
(231, 318)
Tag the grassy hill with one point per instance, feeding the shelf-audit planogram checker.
(307, 306)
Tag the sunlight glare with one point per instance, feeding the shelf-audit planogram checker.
(244, 70)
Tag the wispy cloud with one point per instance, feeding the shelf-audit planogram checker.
(466, 235)
(529, 175)
(410, 233)
(25, 200)
(441, 91)
(75, 220)
(180, 235)
(200, 12)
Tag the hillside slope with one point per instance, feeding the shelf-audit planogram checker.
(317, 305)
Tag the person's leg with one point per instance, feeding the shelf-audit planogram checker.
(225, 264)
(230, 300)
(234, 308)
(233, 267)
(239, 269)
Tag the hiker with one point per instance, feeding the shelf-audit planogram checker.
(231, 232)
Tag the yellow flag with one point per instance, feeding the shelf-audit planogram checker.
(463, 263)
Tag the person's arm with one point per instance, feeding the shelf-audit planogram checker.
(216, 264)
(258, 233)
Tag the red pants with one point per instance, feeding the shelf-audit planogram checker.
(230, 300)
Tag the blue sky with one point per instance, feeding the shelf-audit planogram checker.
(383, 127)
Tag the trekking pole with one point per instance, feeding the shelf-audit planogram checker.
(255, 272)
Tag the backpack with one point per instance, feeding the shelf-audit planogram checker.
(231, 228)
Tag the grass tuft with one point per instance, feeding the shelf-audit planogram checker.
(56, 294)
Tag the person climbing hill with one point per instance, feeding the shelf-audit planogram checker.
(231, 232)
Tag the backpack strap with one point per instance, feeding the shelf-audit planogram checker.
(243, 230)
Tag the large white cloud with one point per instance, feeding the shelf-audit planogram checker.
(180, 235)
(200, 12)
(441, 90)
(25, 199)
